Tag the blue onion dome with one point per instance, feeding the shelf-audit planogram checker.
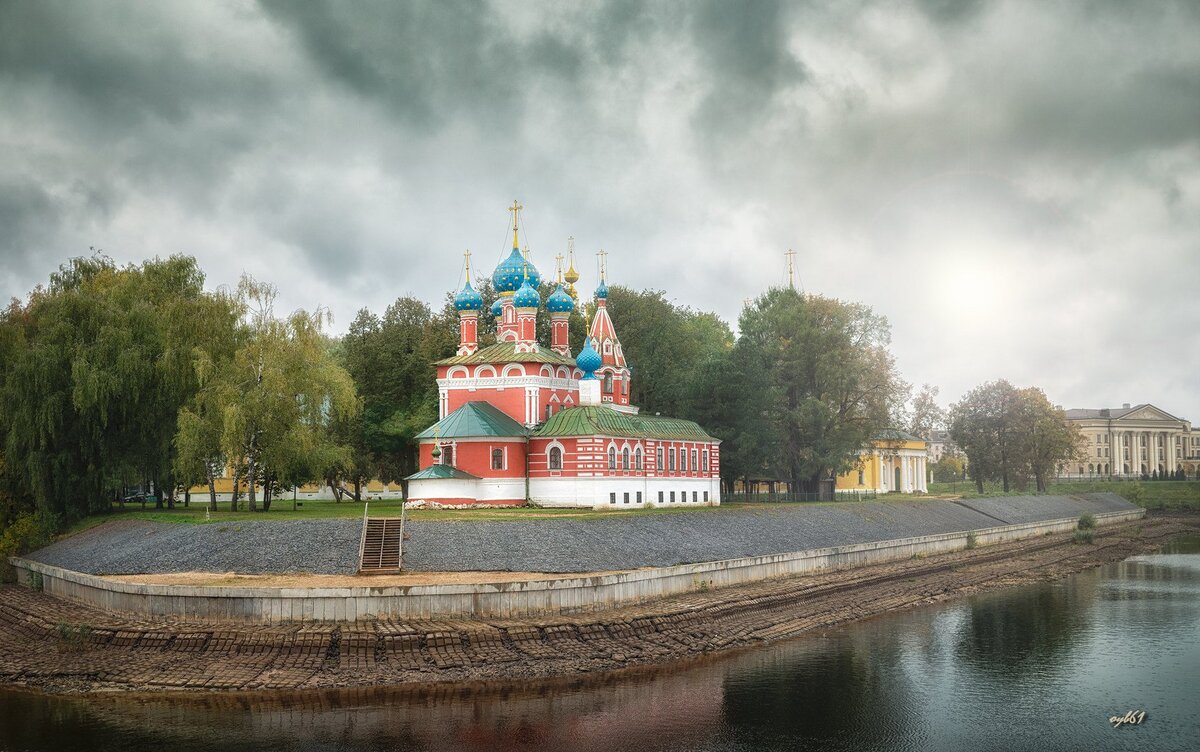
(560, 302)
(588, 360)
(526, 296)
(468, 299)
(511, 273)
(602, 290)
(498, 308)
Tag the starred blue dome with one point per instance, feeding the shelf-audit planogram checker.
(497, 308)
(468, 299)
(588, 360)
(511, 273)
(602, 290)
(560, 302)
(526, 296)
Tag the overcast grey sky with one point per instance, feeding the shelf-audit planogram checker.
(1015, 185)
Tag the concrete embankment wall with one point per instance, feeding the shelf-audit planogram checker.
(509, 599)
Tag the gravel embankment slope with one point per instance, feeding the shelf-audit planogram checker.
(545, 545)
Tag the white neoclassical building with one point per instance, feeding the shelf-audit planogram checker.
(1133, 441)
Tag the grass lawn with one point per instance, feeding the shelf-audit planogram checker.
(319, 509)
(1151, 494)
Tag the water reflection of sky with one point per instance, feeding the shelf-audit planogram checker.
(1039, 667)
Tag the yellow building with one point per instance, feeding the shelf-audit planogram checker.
(894, 461)
(371, 490)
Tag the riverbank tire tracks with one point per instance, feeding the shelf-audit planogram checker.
(48, 642)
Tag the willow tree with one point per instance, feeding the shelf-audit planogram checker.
(273, 402)
(828, 382)
(97, 365)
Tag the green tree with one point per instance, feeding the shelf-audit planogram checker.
(390, 359)
(948, 469)
(97, 365)
(277, 396)
(830, 384)
(1012, 435)
(663, 344)
(1042, 438)
(981, 426)
(925, 414)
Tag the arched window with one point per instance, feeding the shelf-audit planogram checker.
(625, 458)
(448, 455)
(555, 458)
(704, 464)
(637, 459)
(658, 459)
(608, 383)
(549, 411)
(497, 459)
(860, 477)
(625, 387)
(671, 459)
(612, 458)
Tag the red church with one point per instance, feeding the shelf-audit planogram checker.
(522, 423)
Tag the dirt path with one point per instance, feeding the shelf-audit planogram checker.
(49, 643)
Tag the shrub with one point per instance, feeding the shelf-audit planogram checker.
(1084, 536)
(972, 541)
(1087, 521)
(27, 532)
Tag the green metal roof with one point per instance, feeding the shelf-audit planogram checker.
(443, 472)
(893, 434)
(506, 352)
(604, 421)
(474, 419)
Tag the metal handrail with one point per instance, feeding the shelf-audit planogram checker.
(362, 541)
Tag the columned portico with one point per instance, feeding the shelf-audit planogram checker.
(1132, 441)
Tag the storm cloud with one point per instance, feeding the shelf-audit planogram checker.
(1015, 185)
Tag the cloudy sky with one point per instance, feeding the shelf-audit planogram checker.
(1015, 185)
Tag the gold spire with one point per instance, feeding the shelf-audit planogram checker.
(515, 210)
(572, 276)
(558, 270)
(602, 256)
(467, 266)
(791, 268)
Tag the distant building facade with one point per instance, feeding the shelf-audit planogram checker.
(940, 445)
(1131, 441)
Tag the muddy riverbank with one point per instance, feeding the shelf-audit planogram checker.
(57, 646)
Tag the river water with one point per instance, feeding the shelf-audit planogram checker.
(1040, 667)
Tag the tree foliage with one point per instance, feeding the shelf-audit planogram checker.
(390, 360)
(97, 365)
(822, 375)
(925, 414)
(664, 344)
(271, 406)
(1012, 435)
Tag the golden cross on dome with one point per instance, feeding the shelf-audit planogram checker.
(602, 255)
(467, 265)
(515, 210)
(558, 268)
